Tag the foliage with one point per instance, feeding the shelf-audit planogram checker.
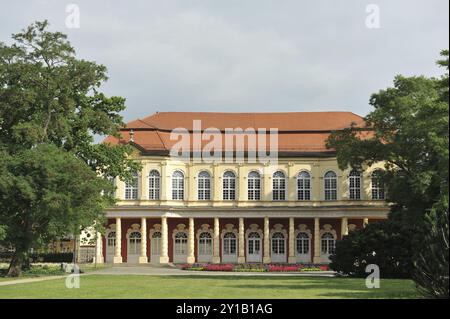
(52, 175)
(251, 267)
(431, 272)
(387, 244)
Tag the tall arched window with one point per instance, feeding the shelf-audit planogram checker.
(304, 186)
(154, 185)
(111, 239)
(135, 243)
(204, 186)
(254, 186)
(302, 243)
(181, 243)
(229, 243)
(354, 184)
(205, 244)
(330, 185)
(132, 187)
(377, 185)
(328, 243)
(278, 186)
(229, 186)
(278, 243)
(177, 185)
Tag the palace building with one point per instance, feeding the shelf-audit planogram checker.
(238, 211)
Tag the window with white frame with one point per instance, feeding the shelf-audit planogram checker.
(134, 243)
(354, 184)
(205, 244)
(181, 243)
(278, 243)
(177, 185)
(154, 185)
(156, 243)
(204, 186)
(278, 186)
(111, 239)
(132, 187)
(254, 186)
(302, 243)
(229, 186)
(377, 185)
(330, 185)
(304, 186)
(229, 243)
(328, 244)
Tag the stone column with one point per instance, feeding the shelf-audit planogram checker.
(164, 251)
(344, 227)
(191, 242)
(316, 258)
(365, 222)
(292, 259)
(143, 258)
(216, 252)
(241, 242)
(164, 181)
(118, 247)
(99, 249)
(266, 256)
(241, 184)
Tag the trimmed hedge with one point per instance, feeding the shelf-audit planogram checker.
(41, 257)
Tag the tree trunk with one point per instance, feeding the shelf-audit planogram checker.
(17, 261)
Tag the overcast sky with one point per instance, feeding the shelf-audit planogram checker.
(246, 55)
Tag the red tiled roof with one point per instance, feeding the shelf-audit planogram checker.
(298, 132)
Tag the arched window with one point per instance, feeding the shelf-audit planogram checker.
(278, 243)
(177, 185)
(304, 186)
(134, 243)
(181, 243)
(156, 243)
(302, 243)
(154, 182)
(254, 186)
(278, 186)
(229, 243)
(205, 244)
(229, 186)
(328, 243)
(112, 239)
(204, 186)
(132, 187)
(354, 183)
(330, 185)
(377, 185)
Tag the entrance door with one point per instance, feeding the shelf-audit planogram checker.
(254, 253)
(278, 248)
(134, 247)
(229, 248)
(303, 244)
(180, 247)
(110, 246)
(155, 247)
(205, 247)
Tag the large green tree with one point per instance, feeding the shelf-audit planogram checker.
(408, 131)
(48, 99)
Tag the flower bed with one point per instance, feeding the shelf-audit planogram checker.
(256, 267)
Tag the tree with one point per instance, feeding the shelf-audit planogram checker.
(48, 97)
(408, 131)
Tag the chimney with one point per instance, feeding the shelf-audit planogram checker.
(131, 135)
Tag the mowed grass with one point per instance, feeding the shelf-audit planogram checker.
(185, 287)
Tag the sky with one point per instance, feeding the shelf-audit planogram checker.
(246, 55)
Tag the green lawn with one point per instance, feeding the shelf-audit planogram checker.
(134, 286)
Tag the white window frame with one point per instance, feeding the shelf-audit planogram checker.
(330, 182)
(178, 185)
(229, 186)
(132, 187)
(304, 186)
(204, 186)
(377, 188)
(354, 185)
(279, 186)
(254, 186)
(154, 185)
